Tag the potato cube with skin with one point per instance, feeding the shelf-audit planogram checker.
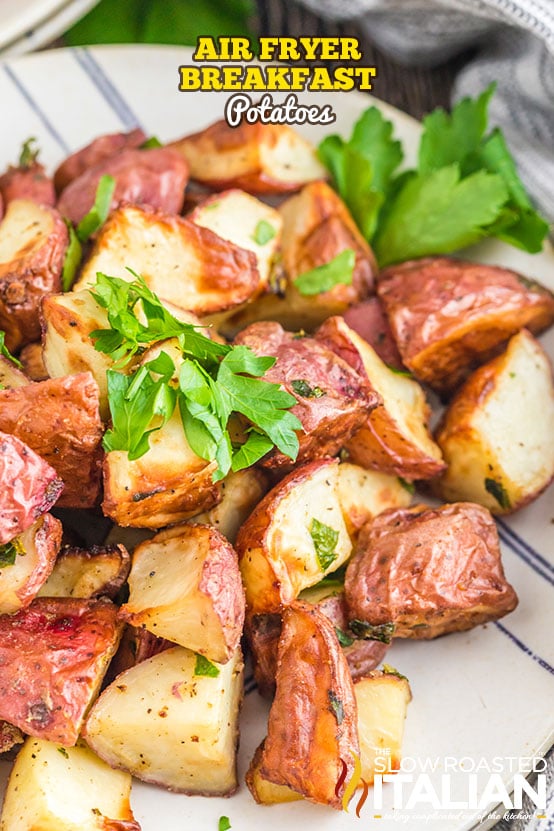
(394, 437)
(10, 376)
(258, 158)
(54, 655)
(55, 788)
(496, 436)
(293, 537)
(188, 723)
(35, 552)
(264, 791)
(33, 242)
(99, 149)
(365, 493)
(168, 484)
(312, 728)
(184, 264)
(422, 572)
(60, 420)
(236, 216)
(382, 699)
(30, 486)
(240, 493)
(333, 400)
(185, 586)
(449, 316)
(99, 571)
(31, 358)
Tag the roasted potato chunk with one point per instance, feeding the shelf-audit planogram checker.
(33, 363)
(30, 486)
(27, 181)
(167, 484)
(365, 493)
(382, 699)
(54, 655)
(240, 493)
(99, 571)
(156, 177)
(98, 150)
(293, 538)
(422, 572)
(258, 158)
(10, 376)
(369, 321)
(59, 419)
(245, 221)
(449, 316)
(33, 241)
(312, 729)
(10, 737)
(497, 434)
(189, 723)
(185, 586)
(34, 555)
(333, 400)
(264, 791)
(394, 437)
(73, 791)
(186, 265)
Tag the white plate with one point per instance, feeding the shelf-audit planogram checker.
(477, 695)
(62, 17)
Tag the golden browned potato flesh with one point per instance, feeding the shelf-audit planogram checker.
(185, 586)
(245, 221)
(312, 729)
(33, 241)
(169, 483)
(422, 572)
(54, 655)
(333, 400)
(365, 493)
(59, 419)
(382, 699)
(264, 791)
(36, 550)
(33, 364)
(258, 158)
(99, 571)
(449, 316)
(71, 790)
(188, 723)
(394, 438)
(497, 434)
(186, 265)
(10, 376)
(240, 493)
(294, 537)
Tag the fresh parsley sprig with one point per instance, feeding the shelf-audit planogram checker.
(6, 352)
(465, 187)
(212, 384)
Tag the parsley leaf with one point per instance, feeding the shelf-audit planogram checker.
(343, 638)
(28, 154)
(72, 258)
(390, 670)
(223, 824)
(336, 706)
(98, 214)
(382, 632)
(324, 277)
(203, 666)
(150, 143)
(9, 551)
(439, 213)
(325, 541)
(263, 232)
(301, 387)
(6, 352)
(498, 492)
(408, 486)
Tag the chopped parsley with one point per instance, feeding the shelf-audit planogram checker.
(9, 551)
(301, 387)
(322, 278)
(205, 667)
(263, 232)
(325, 541)
(382, 632)
(6, 352)
(28, 154)
(343, 638)
(223, 824)
(98, 214)
(337, 706)
(498, 492)
(390, 670)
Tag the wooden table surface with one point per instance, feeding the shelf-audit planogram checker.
(414, 90)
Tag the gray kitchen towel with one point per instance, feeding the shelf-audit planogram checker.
(515, 43)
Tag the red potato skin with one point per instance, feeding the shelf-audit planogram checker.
(59, 419)
(429, 571)
(53, 655)
(368, 320)
(307, 742)
(449, 316)
(328, 421)
(30, 486)
(155, 177)
(26, 280)
(30, 182)
(97, 151)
